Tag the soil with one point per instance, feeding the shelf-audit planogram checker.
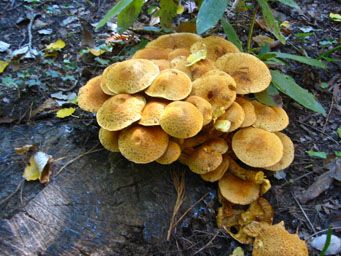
(101, 204)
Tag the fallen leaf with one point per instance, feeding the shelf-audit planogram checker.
(3, 65)
(187, 26)
(334, 246)
(39, 167)
(65, 112)
(56, 46)
(339, 132)
(48, 104)
(25, 149)
(337, 153)
(285, 24)
(196, 57)
(280, 175)
(180, 9)
(4, 46)
(96, 52)
(262, 40)
(317, 154)
(238, 251)
(306, 29)
(335, 17)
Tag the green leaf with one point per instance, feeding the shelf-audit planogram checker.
(114, 11)
(167, 12)
(209, 14)
(270, 20)
(65, 112)
(290, 3)
(317, 154)
(127, 17)
(288, 86)
(231, 34)
(339, 132)
(337, 153)
(269, 97)
(335, 17)
(327, 243)
(302, 59)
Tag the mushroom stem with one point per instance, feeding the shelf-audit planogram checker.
(244, 174)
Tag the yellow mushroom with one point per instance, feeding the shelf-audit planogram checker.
(109, 139)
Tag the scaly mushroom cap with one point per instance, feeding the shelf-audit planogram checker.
(152, 53)
(181, 119)
(172, 153)
(288, 153)
(141, 144)
(219, 90)
(104, 87)
(180, 63)
(250, 73)
(235, 115)
(130, 76)
(151, 112)
(249, 111)
(170, 84)
(200, 68)
(238, 191)
(109, 140)
(219, 172)
(175, 40)
(217, 144)
(275, 240)
(203, 160)
(90, 96)
(256, 147)
(179, 52)
(162, 64)
(272, 119)
(216, 47)
(204, 107)
(120, 111)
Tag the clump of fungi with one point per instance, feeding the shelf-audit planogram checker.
(158, 106)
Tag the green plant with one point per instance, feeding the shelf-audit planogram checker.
(209, 14)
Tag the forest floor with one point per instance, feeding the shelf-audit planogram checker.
(79, 211)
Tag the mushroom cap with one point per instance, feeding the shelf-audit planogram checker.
(152, 53)
(217, 144)
(104, 87)
(120, 111)
(219, 90)
(272, 119)
(175, 40)
(90, 96)
(151, 112)
(249, 111)
(181, 120)
(204, 159)
(172, 153)
(109, 139)
(179, 52)
(204, 107)
(238, 191)
(141, 144)
(288, 153)
(162, 64)
(200, 68)
(257, 147)
(197, 140)
(180, 63)
(250, 73)
(130, 76)
(219, 172)
(216, 47)
(235, 115)
(170, 84)
(275, 240)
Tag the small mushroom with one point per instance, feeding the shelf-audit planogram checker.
(120, 111)
(170, 84)
(172, 153)
(250, 73)
(219, 172)
(104, 87)
(216, 47)
(244, 174)
(141, 144)
(257, 147)
(288, 153)
(204, 107)
(109, 139)
(234, 115)
(152, 53)
(175, 40)
(249, 110)
(130, 76)
(181, 119)
(272, 119)
(90, 96)
(152, 112)
(238, 191)
(162, 64)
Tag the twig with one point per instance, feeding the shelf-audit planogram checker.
(178, 178)
(252, 25)
(318, 130)
(302, 210)
(328, 115)
(291, 181)
(322, 231)
(30, 32)
(206, 245)
(13, 193)
(92, 150)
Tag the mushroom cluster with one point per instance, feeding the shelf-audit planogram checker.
(162, 106)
